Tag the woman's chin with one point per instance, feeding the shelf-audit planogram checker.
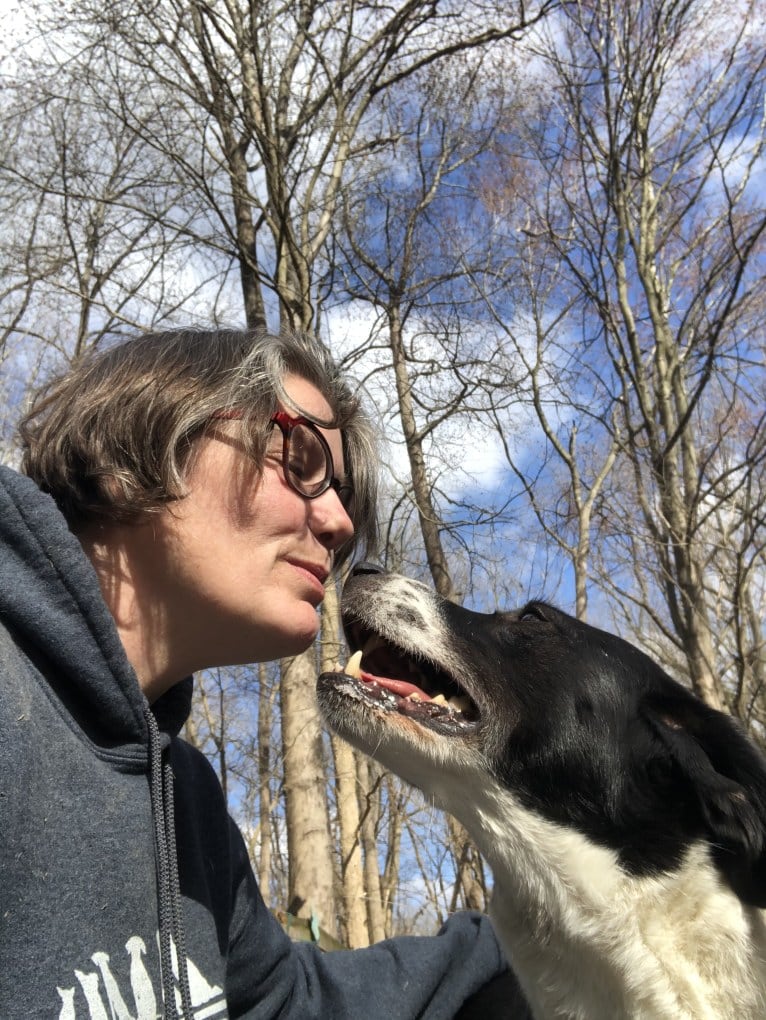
(298, 639)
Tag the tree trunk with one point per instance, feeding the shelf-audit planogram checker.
(369, 793)
(265, 724)
(310, 884)
(354, 918)
(429, 523)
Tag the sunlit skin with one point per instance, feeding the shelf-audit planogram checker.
(231, 574)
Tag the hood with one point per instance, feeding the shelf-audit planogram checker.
(51, 601)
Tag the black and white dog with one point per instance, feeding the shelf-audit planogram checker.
(623, 819)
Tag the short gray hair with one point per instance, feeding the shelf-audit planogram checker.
(110, 438)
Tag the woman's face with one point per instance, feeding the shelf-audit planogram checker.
(245, 558)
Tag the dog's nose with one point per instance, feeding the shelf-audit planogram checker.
(365, 567)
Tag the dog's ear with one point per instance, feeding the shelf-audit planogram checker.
(726, 775)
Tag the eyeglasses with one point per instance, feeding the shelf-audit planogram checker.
(306, 458)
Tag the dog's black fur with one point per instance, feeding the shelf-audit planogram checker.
(605, 742)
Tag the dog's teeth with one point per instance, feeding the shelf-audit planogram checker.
(414, 697)
(460, 703)
(439, 700)
(353, 666)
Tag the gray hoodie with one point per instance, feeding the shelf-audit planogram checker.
(100, 915)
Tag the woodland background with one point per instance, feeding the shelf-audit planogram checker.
(533, 231)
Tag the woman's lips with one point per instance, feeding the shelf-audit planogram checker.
(315, 572)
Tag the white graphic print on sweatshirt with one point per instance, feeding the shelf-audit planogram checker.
(97, 996)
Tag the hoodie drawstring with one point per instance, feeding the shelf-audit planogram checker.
(168, 887)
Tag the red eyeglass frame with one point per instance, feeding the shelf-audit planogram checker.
(286, 423)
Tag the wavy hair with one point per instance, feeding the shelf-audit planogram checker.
(111, 437)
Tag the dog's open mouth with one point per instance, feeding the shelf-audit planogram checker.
(395, 680)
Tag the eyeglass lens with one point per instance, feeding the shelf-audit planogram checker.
(309, 462)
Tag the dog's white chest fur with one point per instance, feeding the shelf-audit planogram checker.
(594, 943)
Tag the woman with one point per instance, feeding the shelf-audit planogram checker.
(188, 495)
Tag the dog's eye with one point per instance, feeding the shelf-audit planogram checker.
(532, 613)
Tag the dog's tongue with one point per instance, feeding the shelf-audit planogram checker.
(401, 687)
(411, 694)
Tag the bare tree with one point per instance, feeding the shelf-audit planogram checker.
(89, 244)
(412, 229)
(651, 205)
(408, 234)
(553, 389)
(278, 95)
